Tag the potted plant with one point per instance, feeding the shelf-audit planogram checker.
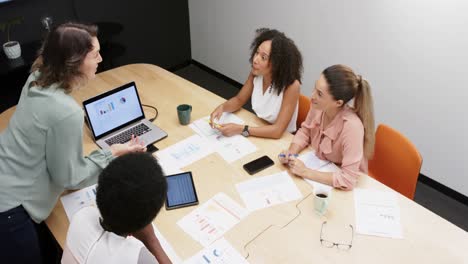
(12, 49)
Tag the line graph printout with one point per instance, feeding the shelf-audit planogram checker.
(268, 191)
(229, 148)
(186, 152)
(73, 202)
(220, 252)
(212, 219)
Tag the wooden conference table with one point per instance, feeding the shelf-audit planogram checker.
(286, 233)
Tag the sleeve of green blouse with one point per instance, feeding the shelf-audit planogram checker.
(66, 163)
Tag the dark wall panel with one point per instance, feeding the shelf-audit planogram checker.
(156, 32)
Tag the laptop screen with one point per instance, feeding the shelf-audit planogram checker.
(113, 110)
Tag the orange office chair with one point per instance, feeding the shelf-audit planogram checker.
(396, 162)
(304, 105)
(5, 117)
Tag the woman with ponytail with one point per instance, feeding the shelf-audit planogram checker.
(337, 132)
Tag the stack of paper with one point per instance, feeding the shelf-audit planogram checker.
(184, 152)
(377, 213)
(212, 219)
(73, 202)
(220, 252)
(311, 161)
(229, 148)
(268, 191)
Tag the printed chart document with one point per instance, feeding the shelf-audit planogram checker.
(73, 202)
(229, 148)
(166, 246)
(212, 219)
(311, 161)
(220, 252)
(268, 191)
(168, 167)
(377, 213)
(185, 152)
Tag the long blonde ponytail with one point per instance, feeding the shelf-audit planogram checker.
(344, 85)
(364, 108)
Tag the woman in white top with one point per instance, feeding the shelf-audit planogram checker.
(130, 193)
(273, 86)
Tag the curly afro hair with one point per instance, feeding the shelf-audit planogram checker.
(285, 57)
(131, 190)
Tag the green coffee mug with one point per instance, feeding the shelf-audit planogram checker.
(183, 112)
(321, 201)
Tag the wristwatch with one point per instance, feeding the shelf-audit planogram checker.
(245, 132)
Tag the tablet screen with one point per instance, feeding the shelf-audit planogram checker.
(180, 190)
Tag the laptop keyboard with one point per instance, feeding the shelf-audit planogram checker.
(126, 135)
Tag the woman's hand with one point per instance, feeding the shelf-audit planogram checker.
(134, 145)
(297, 167)
(285, 155)
(216, 115)
(230, 129)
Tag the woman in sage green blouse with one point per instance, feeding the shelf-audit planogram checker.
(41, 152)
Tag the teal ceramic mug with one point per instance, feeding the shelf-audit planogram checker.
(183, 112)
(321, 201)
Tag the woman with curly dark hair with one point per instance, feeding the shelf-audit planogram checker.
(273, 86)
(41, 150)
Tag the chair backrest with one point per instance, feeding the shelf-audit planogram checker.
(5, 117)
(396, 162)
(304, 105)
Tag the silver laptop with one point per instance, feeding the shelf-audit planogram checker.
(116, 115)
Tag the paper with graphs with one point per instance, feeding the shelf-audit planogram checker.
(220, 252)
(212, 219)
(377, 213)
(229, 148)
(74, 201)
(185, 152)
(267, 191)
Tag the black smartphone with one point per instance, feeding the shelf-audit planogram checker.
(180, 191)
(257, 165)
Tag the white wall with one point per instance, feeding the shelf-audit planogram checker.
(414, 53)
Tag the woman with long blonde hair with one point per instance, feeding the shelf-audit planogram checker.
(337, 132)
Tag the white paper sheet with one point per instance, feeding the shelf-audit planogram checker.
(311, 161)
(377, 213)
(212, 219)
(185, 152)
(168, 166)
(166, 246)
(268, 191)
(220, 252)
(229, 148)
(73, 202)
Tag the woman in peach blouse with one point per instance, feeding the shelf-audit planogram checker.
(337, 132)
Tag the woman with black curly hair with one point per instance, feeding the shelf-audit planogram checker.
(273, 86)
